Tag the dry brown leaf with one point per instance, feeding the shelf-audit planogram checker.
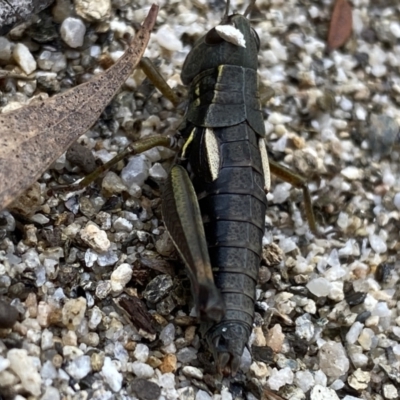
(341, 25)
(33, 137)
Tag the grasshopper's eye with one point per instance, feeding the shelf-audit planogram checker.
(213, 37)
(256, 38)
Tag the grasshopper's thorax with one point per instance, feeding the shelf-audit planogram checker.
(212, 50)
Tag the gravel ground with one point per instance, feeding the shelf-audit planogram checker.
(99, 295)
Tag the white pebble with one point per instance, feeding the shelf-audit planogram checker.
(319, 392)
(79, 367)
(354, 332)
(73, 32)
(5, 49)
(192, 372)
(346, 104)
(142, 370)
(395, 29)
(167, 39)
(95, 238)
(280, 378)
(24, 58)
(120, 277)
(202, 395)
(24, 366)
(377, 244)
(351, 173)
(319, 287)
(111, 375)
(93, 10)
(141, 352)
(390, 392)
(396, 201)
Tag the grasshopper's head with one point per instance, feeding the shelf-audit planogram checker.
(232, 42)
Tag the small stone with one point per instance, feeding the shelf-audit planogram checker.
(359, 379)
(390, 392)
(73, 313)
(4, 364)
(95, 238)
(111, 375)
(141, 352)
(142, 370)
(158, 288)
(45, 311)
(8, 315)
(203, 395)
(122, 224)
(192, 372)
(5, 49)
(136, 171)
(365, 338)
(24, 366)
(120, 277)
(354, 332)
(112, 183)
(157, 171)
(168, 364)
(24, 58)
(144, 389)
(333, 360)
(280, 378)
(97, 361)
(51, 393)
(103, 289)
(186, 393)
(304, 380)
(351, 173)
(304, 327)
(107, 259)
(95, 317)
(154, 362)
(53, 61)
(167, 39)
(275, 338)
(377, 244)
(73, 32)
(79, 367)
(319, 392)
(257, 337)
(93, 10)
(396, 201)
(319, 287)
(186, 355)
(259, 369)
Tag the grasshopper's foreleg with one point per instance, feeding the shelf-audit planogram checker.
(182, 218)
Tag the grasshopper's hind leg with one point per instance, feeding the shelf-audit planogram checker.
(182, 218)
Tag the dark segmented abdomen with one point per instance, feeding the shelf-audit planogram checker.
(233, 212)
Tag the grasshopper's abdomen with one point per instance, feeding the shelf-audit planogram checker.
(233, 210)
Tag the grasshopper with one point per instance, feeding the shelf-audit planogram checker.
(226, 159)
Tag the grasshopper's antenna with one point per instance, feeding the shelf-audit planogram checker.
(227, 7)
(249, 8)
